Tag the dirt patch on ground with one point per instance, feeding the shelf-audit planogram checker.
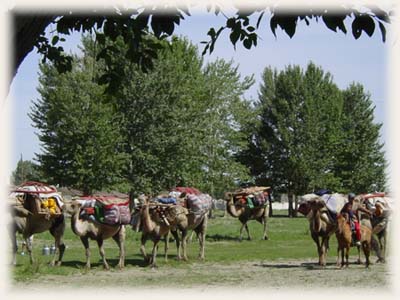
(277, 275)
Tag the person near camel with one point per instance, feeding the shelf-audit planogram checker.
(350, 212)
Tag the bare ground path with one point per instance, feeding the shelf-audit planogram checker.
(276, 275)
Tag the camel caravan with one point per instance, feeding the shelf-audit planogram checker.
(353, 219)
(360, 221)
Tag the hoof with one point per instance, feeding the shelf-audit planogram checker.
(380, 260)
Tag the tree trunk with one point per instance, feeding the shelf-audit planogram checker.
(270, 212)
(290, 208)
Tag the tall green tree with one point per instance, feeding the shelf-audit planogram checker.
(292, 147)
(180, 121)
(361, 163)
(78, 129)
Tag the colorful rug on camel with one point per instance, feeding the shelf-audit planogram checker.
(252, 196)
(199, 204)
(109, 210)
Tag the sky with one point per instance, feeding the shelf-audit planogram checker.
(348, 60)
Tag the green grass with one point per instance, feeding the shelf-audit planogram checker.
(289, 239)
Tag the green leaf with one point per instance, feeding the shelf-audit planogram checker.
(55, 40)
(247, 43)
(363, 23)
(234, 36)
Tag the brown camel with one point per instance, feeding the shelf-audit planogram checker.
(322, 220)
(343, 235)
(176, 218)
(321, 228)
(184, 222)
(155, 226)
(87, 229)
(245, 214)
(27, 223)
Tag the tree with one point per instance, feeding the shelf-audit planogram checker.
(26, 170)
(79, 130)
(134, 25)
(293, 146)
(176, 124)
(361, 163)
(181, 120)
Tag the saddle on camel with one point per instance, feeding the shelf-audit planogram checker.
(105, 209)
(252, 197)
(36, 198)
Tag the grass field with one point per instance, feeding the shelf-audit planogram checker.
(289, 250)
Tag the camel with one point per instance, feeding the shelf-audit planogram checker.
(97, 231)
(177, 219)
(321, 228)
(320, 212)
(344, 238)
(154, 227)
(27, 223)
(343, 235)
(245, 214)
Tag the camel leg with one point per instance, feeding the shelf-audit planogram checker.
(85, 242)
(347, 255)
(184, 243)
(323, 252)
(248, 232)
(244, 225)
(13, 236)
(366, 250)
(319, 248)
(177, 242)
(102, 253)
(60, 248)
(265, 223)
(58, 234)
(143, 241)
(166, 247)
(359, 255)
(28, 243)
(201, 235)
(338, 256)
(154, 252)
(119, 238)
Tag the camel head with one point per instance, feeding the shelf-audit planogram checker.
(304, 208)
(72, 207)
(316, 204)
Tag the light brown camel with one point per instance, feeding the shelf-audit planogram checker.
(154, 227)
(99, 232)
(321, 219)
(176, 219)
(244, 213)
(322, 226)
(27, 223)
(343, 235)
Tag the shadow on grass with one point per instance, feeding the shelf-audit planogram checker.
(307, 266)
(221, 237)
